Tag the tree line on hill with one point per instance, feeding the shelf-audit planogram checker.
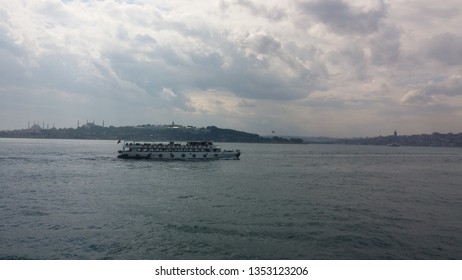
(148, 133)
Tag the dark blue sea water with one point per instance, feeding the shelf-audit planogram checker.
(72, 199)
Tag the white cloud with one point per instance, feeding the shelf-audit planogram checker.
(436, 93)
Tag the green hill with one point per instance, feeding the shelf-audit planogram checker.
(146, 133)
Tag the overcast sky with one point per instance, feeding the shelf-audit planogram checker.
(305, 68)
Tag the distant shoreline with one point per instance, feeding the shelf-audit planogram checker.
(147, 133)
(213, 133)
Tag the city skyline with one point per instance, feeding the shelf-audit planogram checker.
(332, 68)
(42, 125)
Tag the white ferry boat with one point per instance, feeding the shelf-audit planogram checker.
(195, 150)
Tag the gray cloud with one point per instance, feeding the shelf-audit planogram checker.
(446, 48)
(341, 17)
(247, 65)
(386, 46)
(352, 59)
(283, 64)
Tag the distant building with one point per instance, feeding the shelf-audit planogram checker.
(34, 129)
(173, 125)
(90, 125)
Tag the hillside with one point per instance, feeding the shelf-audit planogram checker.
(146, 133)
